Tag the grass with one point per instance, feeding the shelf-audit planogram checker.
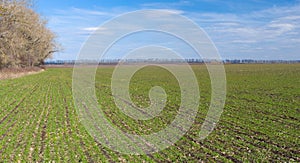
(11, 73)
(260, 122)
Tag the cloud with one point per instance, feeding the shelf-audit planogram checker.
(281, 28)
(265, 33)
(91, 12)
(92, 29)
(260, 34)
(74, 25)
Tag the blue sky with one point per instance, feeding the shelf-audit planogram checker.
(249, 29)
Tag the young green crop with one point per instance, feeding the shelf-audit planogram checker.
(260, 122)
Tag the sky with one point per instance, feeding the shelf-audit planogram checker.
(249, 29)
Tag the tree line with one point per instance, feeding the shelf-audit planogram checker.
(25, 40)
(172, 61)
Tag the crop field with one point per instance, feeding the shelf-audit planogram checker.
(260, 121)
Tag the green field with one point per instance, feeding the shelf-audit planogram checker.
(260, 122)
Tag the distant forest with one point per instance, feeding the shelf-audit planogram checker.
(25, 41)
(191, 61)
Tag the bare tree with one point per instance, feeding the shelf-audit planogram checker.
(24, 38)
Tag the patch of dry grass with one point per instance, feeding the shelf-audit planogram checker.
(12, 73)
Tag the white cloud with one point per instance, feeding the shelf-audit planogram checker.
(91, 12)
(92, 29)
(250, 35)
(281, 28)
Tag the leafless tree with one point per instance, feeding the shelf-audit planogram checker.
(24, 38)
